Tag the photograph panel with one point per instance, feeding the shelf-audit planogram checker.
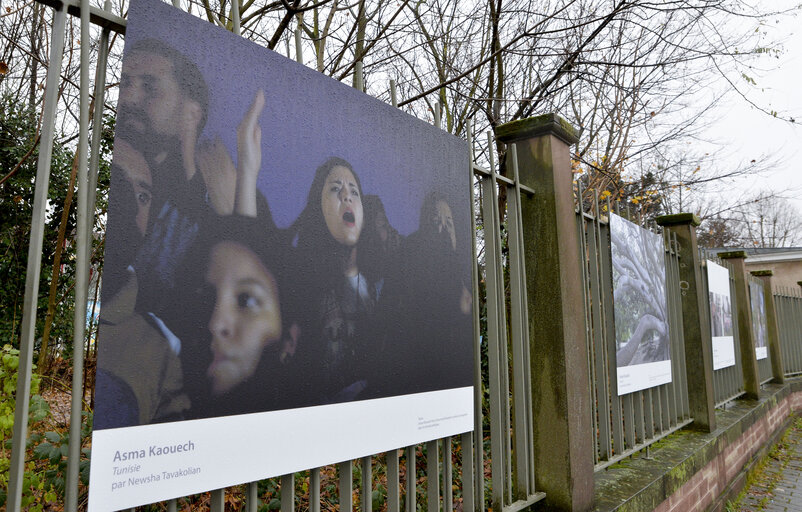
(640, 306)
(718, 281)
(277, 242)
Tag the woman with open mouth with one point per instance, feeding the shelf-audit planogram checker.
(340, 301)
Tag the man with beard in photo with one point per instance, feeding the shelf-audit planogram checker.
(162, 110)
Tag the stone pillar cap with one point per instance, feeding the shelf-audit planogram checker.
(731, 255)
(547, 124)
(759, 273)
(678, 218)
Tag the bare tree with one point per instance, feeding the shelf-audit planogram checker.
(769, 221)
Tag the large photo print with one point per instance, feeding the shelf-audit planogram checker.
(287, 277)
(718, 284)
(643, 349)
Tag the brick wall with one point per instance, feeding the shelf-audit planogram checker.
(706, 485)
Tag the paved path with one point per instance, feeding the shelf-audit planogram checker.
(779, 488)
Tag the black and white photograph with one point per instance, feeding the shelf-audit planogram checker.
(643, 353)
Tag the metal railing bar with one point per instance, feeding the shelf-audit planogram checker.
(24, 370)
(608, 348)
(218, 501)
(367, 484)
(393, 488)
(640, 427)
(235, 21)
(252, 497)
(648, 414)
(498, 177)
(288, 492)
(468, 471)
(475, 481)
(629, 421)
(530, 429)
(346, 476)
(524, 504)
(640, 446)
(448, 495)
(97, 16)
(495, 320)
(730, 399)
(432, 475)
(519, 339)
(589, 347)
(601, 385)
(394, 96)
(81, 271)
(314, 489)
(411, 490)
(97, 120)
(671, 288)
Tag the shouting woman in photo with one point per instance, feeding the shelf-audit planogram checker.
(335, 340)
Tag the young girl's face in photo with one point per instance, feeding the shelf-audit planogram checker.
(246, 316)
(341, 203)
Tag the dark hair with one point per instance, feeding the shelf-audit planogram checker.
(266, 243)
(373, 253)
(428, 209)
(185, 72)
(373, 206)
(310, 228)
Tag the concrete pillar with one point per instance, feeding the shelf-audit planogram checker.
(746, 343)
(563, 434)
(773, 326)
(698, 340)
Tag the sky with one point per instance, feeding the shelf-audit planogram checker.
(750, 134)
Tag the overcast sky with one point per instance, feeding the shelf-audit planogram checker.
(750, 133)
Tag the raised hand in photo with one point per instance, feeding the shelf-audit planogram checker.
(219, 174)
(249, 156)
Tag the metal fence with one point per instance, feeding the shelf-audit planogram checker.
(789, 318)
(493, 467)
(509, 394)
(454, 474)
(628, 423)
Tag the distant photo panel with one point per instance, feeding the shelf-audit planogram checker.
(760, 333)
(718, 281)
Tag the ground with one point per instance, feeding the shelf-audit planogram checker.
(776, 483)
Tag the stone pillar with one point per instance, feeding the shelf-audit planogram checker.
(773, 326)
(698, 340)
(563, 434)
(746, 343)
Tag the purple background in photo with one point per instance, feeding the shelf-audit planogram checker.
(309, 117)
